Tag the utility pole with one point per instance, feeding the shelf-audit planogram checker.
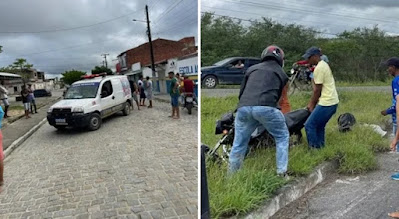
(105, 58)
(150, 41)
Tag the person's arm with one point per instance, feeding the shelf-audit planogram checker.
(1, 114)
(285, 89)
(175, 87)
(318, 78)
(315, 97)
(396, 139)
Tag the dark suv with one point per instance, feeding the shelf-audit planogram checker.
(227, 71)
(42, 93)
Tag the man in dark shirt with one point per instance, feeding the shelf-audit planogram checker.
(25, 101)
(259, 96)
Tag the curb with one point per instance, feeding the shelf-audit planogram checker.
(161, 100)
(22, 139)
(12, 120)
(294, 191)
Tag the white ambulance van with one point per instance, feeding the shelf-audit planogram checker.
(90, 100)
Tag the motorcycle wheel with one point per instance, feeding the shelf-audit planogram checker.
(189, 108)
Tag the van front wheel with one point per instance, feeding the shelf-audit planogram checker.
(95, 122)
(126, 109)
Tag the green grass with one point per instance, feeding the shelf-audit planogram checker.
(362, 84)
(16, 108)
(257, 182)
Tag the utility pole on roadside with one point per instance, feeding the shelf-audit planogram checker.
(105, 58)
(150, 41)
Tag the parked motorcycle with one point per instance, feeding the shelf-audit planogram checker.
(300, 78)
(188, 102)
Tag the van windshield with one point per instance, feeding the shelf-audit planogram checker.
(82, 91)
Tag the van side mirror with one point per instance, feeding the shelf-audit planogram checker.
(103, 94)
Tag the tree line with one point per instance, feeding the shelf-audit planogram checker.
(355, 55)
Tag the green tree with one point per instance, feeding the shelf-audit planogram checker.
(220, 38)
(101, 69)
(23, 67)
(69, 77)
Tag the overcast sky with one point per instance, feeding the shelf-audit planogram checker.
(48, 33)
(326, 16)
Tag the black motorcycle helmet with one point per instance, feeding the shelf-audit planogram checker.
(273, 52)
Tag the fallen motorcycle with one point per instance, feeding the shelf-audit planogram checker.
(260, 138)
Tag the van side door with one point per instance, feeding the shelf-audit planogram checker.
(107, 98)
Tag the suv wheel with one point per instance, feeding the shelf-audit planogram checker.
(95, 122)
(60, 127)
(126, 109)
(210, 81)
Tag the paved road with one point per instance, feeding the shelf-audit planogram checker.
(140, 166)
(370, 196)
(229, 92)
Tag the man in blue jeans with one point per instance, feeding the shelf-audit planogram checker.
(393, 70)
(324, 101)
(260, 93)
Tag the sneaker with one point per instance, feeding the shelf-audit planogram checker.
(395, 176)
(283, 175)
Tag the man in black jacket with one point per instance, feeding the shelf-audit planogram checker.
(260, 93)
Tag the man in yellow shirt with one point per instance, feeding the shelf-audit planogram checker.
(324, 101)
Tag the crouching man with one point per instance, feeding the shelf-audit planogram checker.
(259, 95)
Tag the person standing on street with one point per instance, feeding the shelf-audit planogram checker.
(135, 92)
(1, 150)
(174, 94)
(32, 99)
(25, 100)
(4, 98)
(141, 89)
(148, 90)
(393, 70)
(324, 101)
(259, 95)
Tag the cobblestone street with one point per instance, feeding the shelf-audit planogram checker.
(140, 166)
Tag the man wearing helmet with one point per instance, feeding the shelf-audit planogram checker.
(258, 104)
(324, 101)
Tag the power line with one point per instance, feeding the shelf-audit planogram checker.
(241, 19)
(262, 15)
(67, 29)
(171, 7)
(176, 27)
(180, 21)
(294, 3)
(278, 7)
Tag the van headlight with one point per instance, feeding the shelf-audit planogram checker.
(50, 110)
(78, 110)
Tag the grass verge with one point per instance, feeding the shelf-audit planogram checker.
(338, 84)
(256, 182)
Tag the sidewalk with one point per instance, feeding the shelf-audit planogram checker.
(371, 195)
(18, 128)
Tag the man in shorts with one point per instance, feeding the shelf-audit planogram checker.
(32, 99)
(141, 89)
(174, 94)
(4, 98)
(148, 90)
(25, 101)
(135, 91)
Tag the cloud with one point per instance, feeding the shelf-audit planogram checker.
(110, 29)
